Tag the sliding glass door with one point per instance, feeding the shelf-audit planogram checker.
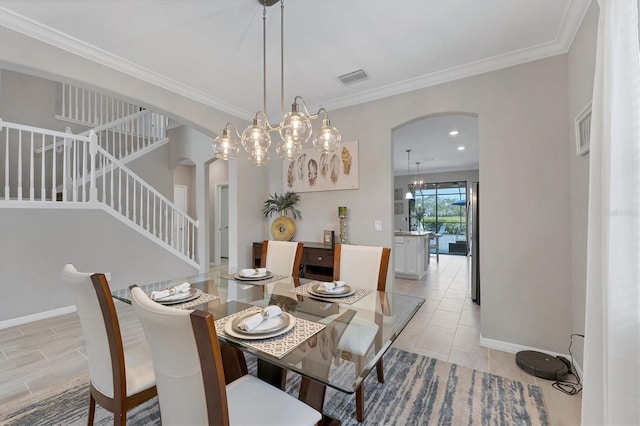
(441, 208)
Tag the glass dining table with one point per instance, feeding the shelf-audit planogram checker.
(325, 342)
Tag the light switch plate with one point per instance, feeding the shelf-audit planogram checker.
(378, 225)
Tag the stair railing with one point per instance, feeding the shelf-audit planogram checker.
(84, 106)
(69, 174)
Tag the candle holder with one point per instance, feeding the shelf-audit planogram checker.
(342, 214)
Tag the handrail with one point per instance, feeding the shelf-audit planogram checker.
(85, 173)
(136, 136)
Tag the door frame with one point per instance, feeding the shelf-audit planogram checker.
(218, 230)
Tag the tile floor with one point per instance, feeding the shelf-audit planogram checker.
(35, 357)
(447, 327)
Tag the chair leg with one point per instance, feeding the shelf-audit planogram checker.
(360, 403)
(380, 371)
(92, 409)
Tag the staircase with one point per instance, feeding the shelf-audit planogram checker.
(50, 169)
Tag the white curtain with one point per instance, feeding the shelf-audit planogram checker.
(612, 324)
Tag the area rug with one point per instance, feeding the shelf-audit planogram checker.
(417, 391)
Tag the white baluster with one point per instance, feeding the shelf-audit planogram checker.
(54, 190)
(6, 164)
(32, 190)
(43, 190)
(19, 165)
(93, 150)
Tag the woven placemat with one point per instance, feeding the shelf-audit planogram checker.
(204, 298)
(277, 346)
(359, 294)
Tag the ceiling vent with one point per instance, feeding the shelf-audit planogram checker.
(353, 77)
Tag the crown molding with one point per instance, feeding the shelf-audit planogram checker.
(572, 18)
(571, 21)
(73, 45)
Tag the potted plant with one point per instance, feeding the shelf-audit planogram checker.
(283, 228)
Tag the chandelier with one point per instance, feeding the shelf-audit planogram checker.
(409, 194)
(294, 128)
(417, 184)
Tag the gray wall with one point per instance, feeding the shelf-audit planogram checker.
(524, 131)
(35, 244)
(525, 137)
(581, 69)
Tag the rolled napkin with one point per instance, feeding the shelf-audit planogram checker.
(253, 321)
(161, 294)
(257, 272)
(334, 286)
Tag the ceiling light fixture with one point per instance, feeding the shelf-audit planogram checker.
(294, 128)
(461, 148)
(454, 132)
(417, 184)
(409, 194)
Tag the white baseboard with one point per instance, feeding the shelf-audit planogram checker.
(36, 317)
(514, 347)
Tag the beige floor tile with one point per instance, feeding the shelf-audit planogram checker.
(436, 339)
(451, 305)
(8, 365)
(470, 318)
(467, 338)
(477, 359)
(445, 319)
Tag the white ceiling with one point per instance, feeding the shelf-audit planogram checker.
(211, 50)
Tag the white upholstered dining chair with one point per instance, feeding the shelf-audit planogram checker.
(119, 380)
(190, 375)
(282, 257)
(363, 267)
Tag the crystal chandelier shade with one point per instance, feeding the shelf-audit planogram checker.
(295, 127)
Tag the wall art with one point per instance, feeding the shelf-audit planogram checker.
(315, 171)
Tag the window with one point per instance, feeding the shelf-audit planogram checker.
(441, 208)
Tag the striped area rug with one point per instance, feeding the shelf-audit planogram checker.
(417, 391)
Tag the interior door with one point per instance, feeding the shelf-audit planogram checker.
(177, 226)
(224, 221)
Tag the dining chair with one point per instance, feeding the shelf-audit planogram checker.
(282, 257)
(191, 378)
(119, 380)
(363, 267)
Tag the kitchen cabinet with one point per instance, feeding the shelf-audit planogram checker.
(409, 252)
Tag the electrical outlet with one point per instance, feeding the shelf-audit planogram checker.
(378, 225)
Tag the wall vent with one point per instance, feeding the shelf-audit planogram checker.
(353, 77)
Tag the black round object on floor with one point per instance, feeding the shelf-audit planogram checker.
(541, 365)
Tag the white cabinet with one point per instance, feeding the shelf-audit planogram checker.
(409, 256)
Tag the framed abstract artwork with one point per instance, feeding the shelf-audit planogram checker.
(315, 171)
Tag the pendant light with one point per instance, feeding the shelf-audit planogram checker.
(295, 127)
(409, 194)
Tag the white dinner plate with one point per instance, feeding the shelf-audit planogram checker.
(228, 328)
(319, 291)
(239, 277)
(265, 327)
(192, 294)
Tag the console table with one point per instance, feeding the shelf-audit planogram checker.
(317, 260)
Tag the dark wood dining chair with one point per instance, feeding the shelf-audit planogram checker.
(282, 257)
(192, 389)
(117, 383)
(363, 267)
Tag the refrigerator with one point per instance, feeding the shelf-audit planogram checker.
(474, 238)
